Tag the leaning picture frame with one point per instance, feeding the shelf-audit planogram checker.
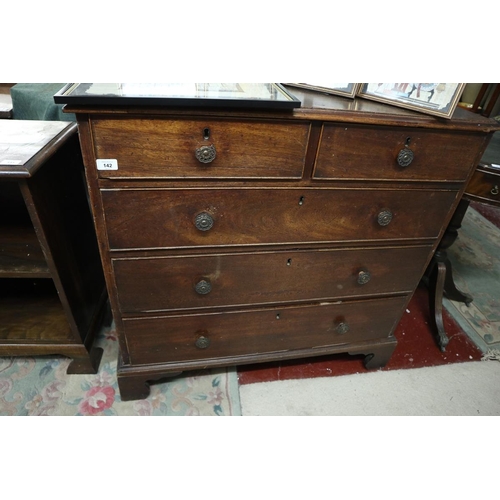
(438, 99)
(343, 89)
(234, 95)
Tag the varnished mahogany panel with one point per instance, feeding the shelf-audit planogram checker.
(171, 339)
(163, 148)
(159, 284)
(162, 218)
(370, 153)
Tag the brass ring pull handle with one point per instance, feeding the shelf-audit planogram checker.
(206, 154)
(384, 217)
(203, 287)
(202, 342)
(204, 221)
(363, 277)
(494, 191)
(342, 328)
(405, 157)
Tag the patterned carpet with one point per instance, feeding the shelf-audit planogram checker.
(475, 259)
(40, 386)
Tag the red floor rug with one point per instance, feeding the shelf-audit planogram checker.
(416, 348)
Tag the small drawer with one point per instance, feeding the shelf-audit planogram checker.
(485, 185)
(219, 335)
(175, 283)
(211, 149)
(173, 218)
(378, 153)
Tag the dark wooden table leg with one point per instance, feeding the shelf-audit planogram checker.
(439, 275)
(436, 290)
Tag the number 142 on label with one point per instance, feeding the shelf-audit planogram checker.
(107, 164)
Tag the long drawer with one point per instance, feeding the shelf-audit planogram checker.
(171, 218)
(357, 152)
(206, 336)
(164, 148)
(176, 283)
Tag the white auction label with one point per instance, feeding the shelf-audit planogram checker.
(107, 164)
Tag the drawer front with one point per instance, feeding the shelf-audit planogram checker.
(162, 218)
(366, 153)
(485, 186)
(218, 335)
(161, 148)
(173, 283)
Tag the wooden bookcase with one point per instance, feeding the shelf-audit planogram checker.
(52, 292)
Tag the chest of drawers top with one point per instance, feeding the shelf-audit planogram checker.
(327, 139)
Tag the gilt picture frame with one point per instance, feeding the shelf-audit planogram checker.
(342, 89)
(438, 99)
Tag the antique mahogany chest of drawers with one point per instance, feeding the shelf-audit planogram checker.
(242, 236)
